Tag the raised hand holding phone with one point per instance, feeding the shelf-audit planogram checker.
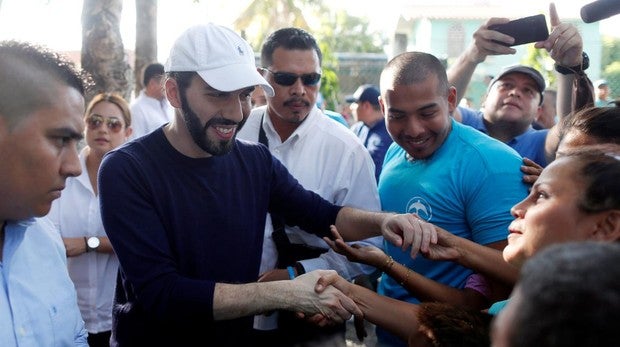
(524, 30)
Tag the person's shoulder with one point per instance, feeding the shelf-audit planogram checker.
(472, 140)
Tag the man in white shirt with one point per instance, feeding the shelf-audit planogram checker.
(324, 156)
(151, 108)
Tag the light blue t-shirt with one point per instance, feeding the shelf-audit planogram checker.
(530, 144)
(38, 303)
(466, 187)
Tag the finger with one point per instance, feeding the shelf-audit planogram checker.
(360, 329)
(554, 19)
(325, 281)
(530, 179)
(349, 305)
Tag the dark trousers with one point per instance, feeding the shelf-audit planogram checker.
(100, 339)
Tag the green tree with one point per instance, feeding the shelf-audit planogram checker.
(262, 17)
(345, 33)
(611, 51)
(541, 61)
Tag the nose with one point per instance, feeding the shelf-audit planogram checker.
(70, 162)
(518, 210)
(414, 127)
(298, 87)
(234, 110)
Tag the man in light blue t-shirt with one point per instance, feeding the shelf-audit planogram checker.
(447, 173)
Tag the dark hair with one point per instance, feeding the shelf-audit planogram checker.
(183, 78)
(29, 75)
(599, 123)
(414, 67)
(290, 39)
(450, 325)
(150, 71)
(114, 98)
(570, 296)
(599, 170)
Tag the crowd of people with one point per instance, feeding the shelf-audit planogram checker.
(223, 206)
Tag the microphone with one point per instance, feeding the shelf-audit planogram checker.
(600, 9)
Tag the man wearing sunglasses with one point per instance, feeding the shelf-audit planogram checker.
(324, 156)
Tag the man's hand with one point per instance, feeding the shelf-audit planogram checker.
(484, 43)
(530, 170)
(331, 303)
(408, 230)
(564, 44)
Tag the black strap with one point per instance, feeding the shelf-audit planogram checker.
(288, 253)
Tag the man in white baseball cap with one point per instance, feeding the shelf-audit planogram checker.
(185, 205)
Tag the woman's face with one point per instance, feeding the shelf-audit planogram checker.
(105, 128)
(550, 213)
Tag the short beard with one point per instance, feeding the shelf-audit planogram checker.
(199, 133)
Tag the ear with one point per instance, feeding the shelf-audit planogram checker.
(128, 131)
(382, 105)
(608, 228)
(452, 102)
(172, 92)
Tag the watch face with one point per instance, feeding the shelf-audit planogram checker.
(93, 242)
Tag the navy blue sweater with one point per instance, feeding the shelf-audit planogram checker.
(179, 225)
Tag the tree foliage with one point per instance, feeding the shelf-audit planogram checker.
(334, 31)
(541, 61)
(345, 33)
(611, 51)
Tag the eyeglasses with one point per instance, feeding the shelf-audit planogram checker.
(288, 79)
(94, 121)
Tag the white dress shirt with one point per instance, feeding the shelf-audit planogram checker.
(76, 214)
(148, 114)
(330, 160)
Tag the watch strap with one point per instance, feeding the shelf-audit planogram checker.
(577, 69)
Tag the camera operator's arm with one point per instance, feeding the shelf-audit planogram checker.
(565, 46)
(483, 45)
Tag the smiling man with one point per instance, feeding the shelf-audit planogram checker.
(185, 207)
(464, 181)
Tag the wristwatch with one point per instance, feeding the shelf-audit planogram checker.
(585, 63)
(92, 243)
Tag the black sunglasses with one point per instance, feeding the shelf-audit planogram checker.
(288, 79)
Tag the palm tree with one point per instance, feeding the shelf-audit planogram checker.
(146, 39)
(103, 53)
(265, 16)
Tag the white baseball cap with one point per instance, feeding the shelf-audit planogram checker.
(220, 57)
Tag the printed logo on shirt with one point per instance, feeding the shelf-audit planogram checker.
(420, 207)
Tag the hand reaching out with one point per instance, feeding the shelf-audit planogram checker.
(330, 303)
(564, 43)
(530, 170)
(369, 255)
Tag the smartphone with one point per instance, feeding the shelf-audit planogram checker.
(524, 30)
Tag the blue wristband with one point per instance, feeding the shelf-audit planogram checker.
(291, 272)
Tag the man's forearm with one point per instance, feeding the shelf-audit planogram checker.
(460, 73)
(354, 224)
